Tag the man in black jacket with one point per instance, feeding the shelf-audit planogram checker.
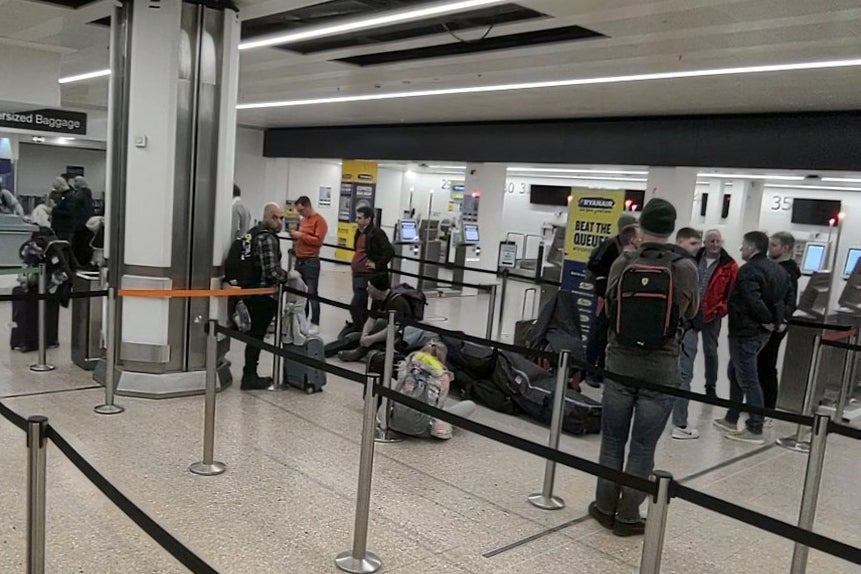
(780, 249)
(372, 256)
(757, 307)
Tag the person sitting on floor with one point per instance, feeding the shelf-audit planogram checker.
(424, 377)
(374, 331)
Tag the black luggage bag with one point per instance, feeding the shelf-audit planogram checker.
(301, 376)
(25, 320)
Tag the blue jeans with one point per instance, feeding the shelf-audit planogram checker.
(743, 377)
(359, 304)
(710, 334)
(687, 354)
(309, 269)
(648, 411)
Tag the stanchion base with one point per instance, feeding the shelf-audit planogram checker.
(109, 409)
(279, 387)
(204, 469)
(385, 436)
(37, 368)
(541, 501)
(793, 444)
(367, 565)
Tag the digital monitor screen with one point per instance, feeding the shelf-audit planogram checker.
(408, 231)
(852, 258)
(814, 257)
(815, 211)
(470, 233)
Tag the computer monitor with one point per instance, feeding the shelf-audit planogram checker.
(407, 230)
(470, 233)
(814, 298)
(814, 257)
(851, 296)
(852, 257)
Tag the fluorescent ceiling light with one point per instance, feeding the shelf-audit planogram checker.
(842, 179)
(87, 76)
(823, 187)
(587, 177)
(560, 83)
(458, 167)
(385, 19)
(565, 170)
(752, 176)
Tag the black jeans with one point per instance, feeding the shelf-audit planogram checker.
(262, 309)
(596, 349)
(766, 368)
(309, 269)
(359, 304)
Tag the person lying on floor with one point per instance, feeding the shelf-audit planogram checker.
(374, 331)
(424, 377)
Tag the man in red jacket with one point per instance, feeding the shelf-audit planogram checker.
(717, 271)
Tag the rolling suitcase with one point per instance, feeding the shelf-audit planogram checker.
(521, 327)
(25, 319)
(301, 376)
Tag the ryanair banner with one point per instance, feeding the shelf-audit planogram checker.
(592, 218)
(358, 188)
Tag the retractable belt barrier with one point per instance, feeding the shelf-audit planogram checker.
(33, 296)
(416, 276)
(228, 292)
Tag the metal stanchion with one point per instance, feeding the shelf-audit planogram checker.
(656, 524)
(502, 303)
(491, 311)
(845, 385)
(277, 369)
(42, 366)
(36, 443)
(799, 441)
(109, 408)
(545, 499)
(382, 433)
(359, 560)
(208, 466)
(810, 494)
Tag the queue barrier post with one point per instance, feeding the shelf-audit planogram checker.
(359, 560)
(37, 427)
(208, 466)
(491, 311)
(810, 494)
(545, 499)
(277, 369)
(382, 433)
(42, 366)
(502, 303)
(845, 385)
(656, 524)
(799, 441)
(109, 408)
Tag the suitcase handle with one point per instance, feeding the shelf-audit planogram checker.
(534, 299)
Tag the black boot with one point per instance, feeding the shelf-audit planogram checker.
(251, 382)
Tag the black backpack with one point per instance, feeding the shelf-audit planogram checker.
(414, 297)
(242, 265)
(646, 316)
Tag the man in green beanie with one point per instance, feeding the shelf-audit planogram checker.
(597, 269)
(644, 347)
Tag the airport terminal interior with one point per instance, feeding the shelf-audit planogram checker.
(477, 130)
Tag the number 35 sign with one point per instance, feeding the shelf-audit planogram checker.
(780, 203)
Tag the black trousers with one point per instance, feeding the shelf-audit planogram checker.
(262, 309)
(767, 369)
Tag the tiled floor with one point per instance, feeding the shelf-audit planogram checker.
(287, 501)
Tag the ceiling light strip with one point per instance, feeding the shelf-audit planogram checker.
(386, 19)
(566, 170)
(560, 83)
(86, 76)
(820, 187)
(752, 176)
(842, 179)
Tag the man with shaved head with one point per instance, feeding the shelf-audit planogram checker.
(266, 250)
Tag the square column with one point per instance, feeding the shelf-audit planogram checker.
(677, 185)
(488, 181)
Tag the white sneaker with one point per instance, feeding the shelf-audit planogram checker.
(725, 425)
(314, 329)
(768, 423)
(686, 433)
(745, 435)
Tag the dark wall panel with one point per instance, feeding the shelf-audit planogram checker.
(791, 141)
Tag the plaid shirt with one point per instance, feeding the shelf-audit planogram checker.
(270, 260)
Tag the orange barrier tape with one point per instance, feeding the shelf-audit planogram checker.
(229, 292)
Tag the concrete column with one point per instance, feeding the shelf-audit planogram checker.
(173, 126)
(489, 182)
(751, 205)
(677, 185)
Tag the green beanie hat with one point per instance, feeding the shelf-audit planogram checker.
(625, 220)
(658, 217)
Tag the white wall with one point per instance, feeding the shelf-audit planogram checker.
(38, 165)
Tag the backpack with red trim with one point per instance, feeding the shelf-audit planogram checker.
(646, 315)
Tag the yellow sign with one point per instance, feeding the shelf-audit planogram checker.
(358, 171)
(592, 218)
(358, 188)
(346, 238)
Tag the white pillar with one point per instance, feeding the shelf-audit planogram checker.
(677, 185)
(489, 181)
(751, 205)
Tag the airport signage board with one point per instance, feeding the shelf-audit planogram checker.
(57, 121)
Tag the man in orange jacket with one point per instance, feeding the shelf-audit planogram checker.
(307, 241)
